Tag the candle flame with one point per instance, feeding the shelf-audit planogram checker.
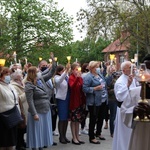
(14, 53)
(143, 78)
(55, 58)
(50, 60)
(79, 68)
(68, 58)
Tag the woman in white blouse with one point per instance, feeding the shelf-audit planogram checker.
(62, 98)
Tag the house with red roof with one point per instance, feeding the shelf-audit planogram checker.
(118, 49)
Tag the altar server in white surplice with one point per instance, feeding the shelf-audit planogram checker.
(140, 137)
(122, 86)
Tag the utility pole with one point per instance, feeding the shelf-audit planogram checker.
(137, 47)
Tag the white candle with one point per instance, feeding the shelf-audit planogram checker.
(15, 54)
(26, 60)
(131, 69)
(111, 62)
(101, 64)
(19, 61)
(76, 60)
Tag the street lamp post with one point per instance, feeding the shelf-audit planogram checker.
(137, 47)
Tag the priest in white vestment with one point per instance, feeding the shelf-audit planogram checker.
(123, 84)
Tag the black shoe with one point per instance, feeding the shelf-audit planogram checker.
(20, 148)
(63, 141)
(45, 147)
(81, 142)
(101, 138)
(23, 144)
(54, 143)
(94, 142)
(67, 140)
(76, 143)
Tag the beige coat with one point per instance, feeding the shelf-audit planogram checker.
(22, 97)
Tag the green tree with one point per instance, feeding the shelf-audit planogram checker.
(107, 18)
(35, 27)
(88, 50)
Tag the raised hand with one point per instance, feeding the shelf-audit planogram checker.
(68, 67)
(52, 55)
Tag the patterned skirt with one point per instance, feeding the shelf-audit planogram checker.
(78, 114)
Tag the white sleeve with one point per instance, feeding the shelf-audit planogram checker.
(128, 106)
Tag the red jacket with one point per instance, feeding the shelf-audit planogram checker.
(77, 96)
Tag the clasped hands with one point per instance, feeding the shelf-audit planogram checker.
(142, 110)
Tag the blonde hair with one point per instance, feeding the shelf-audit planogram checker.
(93, 64)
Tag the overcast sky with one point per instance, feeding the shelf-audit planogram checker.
(72, 7)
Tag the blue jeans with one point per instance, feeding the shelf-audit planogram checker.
(112, 108)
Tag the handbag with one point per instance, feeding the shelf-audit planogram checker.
(22, 124)
(53, 109)
(11, 117)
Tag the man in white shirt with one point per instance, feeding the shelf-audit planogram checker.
(125, 82)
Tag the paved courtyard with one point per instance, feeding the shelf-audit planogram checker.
(105, 145)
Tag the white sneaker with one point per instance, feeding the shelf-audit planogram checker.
(55, 133)
(84, 132)
(79, 133)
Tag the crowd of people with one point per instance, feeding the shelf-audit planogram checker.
(70, 93)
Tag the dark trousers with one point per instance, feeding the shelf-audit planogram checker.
(20, 138)
(113, 109)
(54, 112)
(107, 113)
(93, 114)
(54, 119)
(100, 118)
(84, 120)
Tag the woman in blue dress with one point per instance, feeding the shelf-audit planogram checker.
(39, 124)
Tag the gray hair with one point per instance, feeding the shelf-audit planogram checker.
(123, 65)
(15, 74)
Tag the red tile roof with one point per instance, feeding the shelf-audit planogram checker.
(117, 46)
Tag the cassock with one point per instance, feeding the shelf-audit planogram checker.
(122, 133)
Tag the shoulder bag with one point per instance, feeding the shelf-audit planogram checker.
(11, 117)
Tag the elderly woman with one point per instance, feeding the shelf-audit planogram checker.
(8, 136)
(94, 86)
(16, 82)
